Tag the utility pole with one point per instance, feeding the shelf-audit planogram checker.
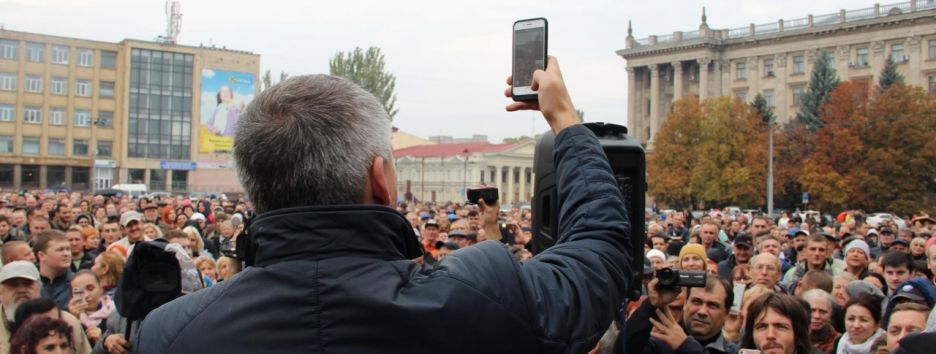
(770, 132)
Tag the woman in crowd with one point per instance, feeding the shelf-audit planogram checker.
(209, 271)
(180, 220)
(109, 267)
(227, 268)
(84, 220)
(93, 306)
(151, 231)
(168, 217)
(741, 274)
(99, 213)
(693, 257)
(862, 324)
(918, 249)
(91, 238)
(838, 287)
(41, 334)
(198, 244)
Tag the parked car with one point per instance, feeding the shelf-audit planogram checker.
(877, 218)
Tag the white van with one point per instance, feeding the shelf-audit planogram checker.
(134, 190)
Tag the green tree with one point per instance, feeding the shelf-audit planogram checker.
(366, 68)
(889, 76)
(267, 80)
(821, 84)
(759, 106)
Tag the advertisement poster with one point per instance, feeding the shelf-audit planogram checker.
(224, 96)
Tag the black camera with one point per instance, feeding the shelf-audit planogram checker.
(489, 194)
(668, 278)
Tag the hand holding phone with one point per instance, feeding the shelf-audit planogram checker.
(529, 55)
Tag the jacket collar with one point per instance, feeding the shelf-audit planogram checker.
(321, 232)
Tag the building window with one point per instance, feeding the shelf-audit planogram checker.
(799, 64)
(8, 81)
(8, 49)
(31, 145)
(861, 57)
(35, 52)
(80, 147)
(57, 116)
(897, 53)
(60, 54)
(829, 56)
(932, 84)
(157, 180)
(106, 89)
(179, 181)
(108, 59)
(769, 98)
(932, 49)
(55, 175)
(32, 115)
(81, 178)
(29, 175)
(6, 144)
(136, 175)
(798, 93)
(82, 118)
(104, 148)
(6, 175)
(159, 120)
(740, 71)
(7, 112)
(85, 57)
(83, 88)
(105, 119)
(768, 67)
(56, 147)
(34, 83)
(59, 86)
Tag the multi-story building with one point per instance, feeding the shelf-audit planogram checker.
(87, 114)
(775, 59)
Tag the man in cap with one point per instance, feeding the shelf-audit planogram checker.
(857, 258)
(461, 238)
(743, 247)
(131, 224)
(430, 234)
(19, 282)
(900, 245)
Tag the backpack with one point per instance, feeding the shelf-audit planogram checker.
(151, 278)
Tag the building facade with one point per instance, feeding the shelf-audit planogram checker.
(442, 172)
(87, 114)
(775, 59)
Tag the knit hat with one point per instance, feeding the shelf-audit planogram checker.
(693, 248)
(859, 244)
(656, 253)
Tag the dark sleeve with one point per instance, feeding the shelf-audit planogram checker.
(689, 346)
(637, 331)
(575, 287)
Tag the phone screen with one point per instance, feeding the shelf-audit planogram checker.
(529, 53)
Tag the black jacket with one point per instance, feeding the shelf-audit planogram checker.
(340, 280)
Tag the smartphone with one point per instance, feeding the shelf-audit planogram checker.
(749, 351)
(738, 298)
(489, 194)
(79, 294)
(529, 54)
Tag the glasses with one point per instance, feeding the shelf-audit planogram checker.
(763, 267)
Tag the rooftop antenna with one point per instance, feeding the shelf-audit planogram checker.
(173, 22)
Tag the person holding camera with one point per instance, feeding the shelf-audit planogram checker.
(332, 267)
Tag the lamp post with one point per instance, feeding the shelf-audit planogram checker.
(465, 173)
(770, 131)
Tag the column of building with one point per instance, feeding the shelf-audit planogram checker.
(633, 123)
(703, 77)
(654, 100)
(677, 80)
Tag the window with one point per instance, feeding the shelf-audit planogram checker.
(159, 116)
(104, 148)
(932, 49)
(8, 49)
(82, 118)
(7, 111)
(105, 119)
(32, 115)
(769, 97)
(799, 64)
(57, 116)
(798, 93)
(56, 147)
(768, 67)
(6, 175)
(861, 57)
(35, 52)
(80, 147)
(55, 175)
(932, 84)
(108, 59)
(59, 86)
(85, 57)
(741, 71)
(8, 81)
(29, 175)
(179, 180)
(81, 177)
(60, 54)
(6, 144)
(897, 53)
(34, 83)
(829, 56)
(83, 88)
(31, 145)
(106, 89)
(136, 175)
(157, 180)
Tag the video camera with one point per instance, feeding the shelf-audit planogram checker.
(628, 163)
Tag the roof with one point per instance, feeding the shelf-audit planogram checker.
(439, 150)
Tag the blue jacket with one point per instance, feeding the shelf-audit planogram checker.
(340, 280)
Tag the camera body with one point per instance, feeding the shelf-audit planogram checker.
(668, 278)
(489, 194)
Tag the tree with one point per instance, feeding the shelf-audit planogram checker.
(267, 79)
(367, 70)
(889, 76)
(673, 156)
(759, 106)
(821, 84)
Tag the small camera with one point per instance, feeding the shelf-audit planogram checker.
(673, 278)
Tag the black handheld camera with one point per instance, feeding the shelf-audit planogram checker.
(668, 278)
(489, 194)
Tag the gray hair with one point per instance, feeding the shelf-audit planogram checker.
(818, 294)
(310, 140)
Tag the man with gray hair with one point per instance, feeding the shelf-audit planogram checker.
(821, 333)
(330, 263)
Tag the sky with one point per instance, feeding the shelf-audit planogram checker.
(450, 58)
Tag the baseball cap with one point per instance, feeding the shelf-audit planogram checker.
(743, 240)
(432, 223)
(887, 230)
(910, 292)
(872, 232)
(457, 233)
(900, 241)
(424, 215)
(19, 269)
(129, 216)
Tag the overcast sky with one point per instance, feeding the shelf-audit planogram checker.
(450, 57)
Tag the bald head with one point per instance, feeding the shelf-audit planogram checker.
(17, 251)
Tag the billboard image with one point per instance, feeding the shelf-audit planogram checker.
(224, 96)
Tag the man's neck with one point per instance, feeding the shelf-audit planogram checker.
(49, 273)
(857, 271)
(810, 266)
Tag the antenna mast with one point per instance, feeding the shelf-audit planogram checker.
(173, 22)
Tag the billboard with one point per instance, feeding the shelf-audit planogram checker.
(224, 96)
